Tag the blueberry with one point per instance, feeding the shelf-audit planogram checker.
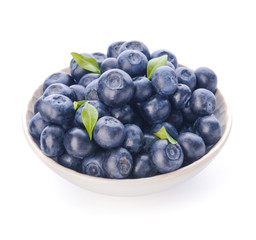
(206, 78)
(187, 127)
(176, 119)
(51, 141)
(203, 102)
(59, 77)
(169, 128)
(101, 108)
(180, 98)
(78, 144)
(188, 115)
(108, 63)
(133, 141)
(133, 62)
(143, 166)
(71, 162)
(36, 125)
(171, 57)
(193, 146)
(56, 109)
(164, 81)
(99, 57)
(115, 88)
(208, 127)
(169, 64)
(135, 45)
(186, 76)
(113, 49)
(76, 71)
(88, 78)
(143, 89)
(118, 163)
(166, 157)
(109, 132)
(93, 165)
(59, 88)
(156, 109)
(79, 91)
(149, 139)
(91, 91)
(124, 114)
(37, 104)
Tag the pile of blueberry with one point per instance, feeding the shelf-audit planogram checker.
(153, 116)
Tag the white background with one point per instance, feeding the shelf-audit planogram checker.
(36, 40)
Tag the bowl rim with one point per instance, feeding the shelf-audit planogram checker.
(164, 177)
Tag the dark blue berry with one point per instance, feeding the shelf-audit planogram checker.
(99, 57)
(113, 49)
(135, 45)
(176, 119)
(36, 125)
(180, 98)
(88, 78)
(71, 162)
(206, 78)
(143, 89)
(93, 165)
(169, 128)
(59, 77)
(124, 114)
(108, 63)
(186, 76)
(149, 139)
(91, 91)
(59, 88)
(79, 91)
(171, 57)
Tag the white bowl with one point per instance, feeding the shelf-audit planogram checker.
(132, 187)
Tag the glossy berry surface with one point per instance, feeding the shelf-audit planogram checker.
(115, 88)
(118, 163)
(108, 63)
(99, 57)
(202, 102)
(75, 141)
(124, 114)
(109, 132)
(79, 91)
(171, 57)
(206, 78)
(59, 88)
(169, 128)
(180, 98)
(113, 49)
(143, 89)
(166, 157)
(149, 139)
(91, 91)
(51, 141)
(186, 76)
(176, 119)
(93, 165)
(88, 78)
(69, 161)
(59, 77)
(187, 113)
(164, 81)
(36, 125)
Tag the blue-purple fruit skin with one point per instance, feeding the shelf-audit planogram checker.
(208, 127)
(76, 71)
(176, 119)
(37, 104)
(171, 57)
(143, 166)
(193, 146)
(156, 109)
(88, 78)
(118, 163)
(99, 57)
(79, 91)
(37, 125)
(124, 114)
(59, 88)
(164, 81)
(169, 128)
(71, 162)
(206, 78)
(143, 89)
(115, 88)
(166, 157)
(91, 91)
(133, 140)
(51, 141)
(59, 77)
(56, 109)
(108, 132)
(149, 139)
(108, 63)
(187, 113)
(78, 144)
(113, 49)
(101, 108)
(93, 165)
(133, 62)
(186, 76)
(202, 102)
(180, 98)
(135, 45)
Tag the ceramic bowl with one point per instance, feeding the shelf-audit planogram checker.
(132, 187)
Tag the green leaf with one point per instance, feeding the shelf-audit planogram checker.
(89, 117)
(155, 63)
(86, 62)
(163, 134)
(78, 104)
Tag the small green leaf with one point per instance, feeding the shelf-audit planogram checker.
(163, 134)
(86, 62)
(78, 104)
(155, 63)
(89, 117)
